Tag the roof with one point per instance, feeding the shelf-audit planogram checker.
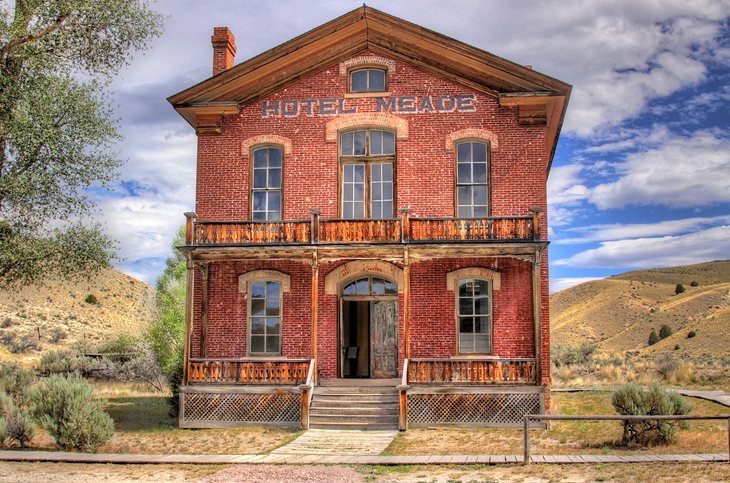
(541, 99)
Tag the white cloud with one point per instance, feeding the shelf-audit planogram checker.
(700, 246)
(610, 232)
(558, 284)
(682, 172)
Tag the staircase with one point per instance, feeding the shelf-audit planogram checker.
(355, 404)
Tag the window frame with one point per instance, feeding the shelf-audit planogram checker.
(249, 316)
(368, 160)
(251, 188)
(457, 316)
(488, 182)
(358, 68)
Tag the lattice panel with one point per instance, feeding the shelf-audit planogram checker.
(249, 408)
(486, 409)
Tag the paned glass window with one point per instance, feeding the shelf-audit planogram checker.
(367, 80)
(266, 185)
(264, 317)
(370, 286)
(474, 316)
(472, 180)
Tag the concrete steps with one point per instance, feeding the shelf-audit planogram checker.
(369, 405)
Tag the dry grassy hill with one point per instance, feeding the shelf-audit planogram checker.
(59, 312)
(618, 313)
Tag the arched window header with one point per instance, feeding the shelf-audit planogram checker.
(473, 272)
(472, 134)
(355, 269)
(264, 275)
(380, 120)
(264, 139)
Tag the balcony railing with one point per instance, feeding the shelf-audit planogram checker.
(371, 231)
(248, 371)
(471, 371)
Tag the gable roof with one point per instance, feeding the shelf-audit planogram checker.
(541, 99)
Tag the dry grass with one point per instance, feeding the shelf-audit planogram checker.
(565, 437)
(73, 473)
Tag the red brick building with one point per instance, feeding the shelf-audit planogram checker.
(369, 245)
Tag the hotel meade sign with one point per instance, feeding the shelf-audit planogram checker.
(393, 104)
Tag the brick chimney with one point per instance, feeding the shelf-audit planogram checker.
(224, 49)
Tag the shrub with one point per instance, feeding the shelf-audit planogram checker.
(19, 426)
(14, 381)
(121, 348)
(7, 322)
(6, 404)
(57, 335)
(3, 431)
(665, 331)
(676, 347)
(67, 362)
(679, 289)
(666, 365)
(563, 355)
(691, 334)
(24, 343)
(630, 399)
(653, 338)
(694, 284)
(91, 299)
(66, 408)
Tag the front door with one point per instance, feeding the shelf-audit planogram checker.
(383, 339)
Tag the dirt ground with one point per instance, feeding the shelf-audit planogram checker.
(626, 472)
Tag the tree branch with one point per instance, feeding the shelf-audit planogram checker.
(32, 37)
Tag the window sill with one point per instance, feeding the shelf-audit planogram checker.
(476, 356)
(355, 95)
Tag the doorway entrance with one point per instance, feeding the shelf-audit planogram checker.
(369, 329)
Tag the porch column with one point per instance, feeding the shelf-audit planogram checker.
(314, 306)
(188, 315)
(537, 312)
(204, 311)
(406, 304)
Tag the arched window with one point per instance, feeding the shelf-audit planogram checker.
(368, 80)
(264, 317)
(472, 179)
(266, 183)
(367, 158)
(474, 316)
(370, 286)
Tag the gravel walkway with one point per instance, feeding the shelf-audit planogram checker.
(289, 474)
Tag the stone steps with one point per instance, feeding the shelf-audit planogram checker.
(348, 406)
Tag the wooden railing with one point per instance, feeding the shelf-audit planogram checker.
(406, 229)
(307, 391)
(248, 371)
(471, 371)
(403, 398)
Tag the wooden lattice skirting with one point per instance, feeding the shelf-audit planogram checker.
(491, 409)
(216, 407)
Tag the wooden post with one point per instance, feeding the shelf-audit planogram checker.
(537, 313)
(526, 456)
(204, 310)
(536, 210)
(406, 304)
(728, 440)
(314, 308)
(189, 220)
(188, 315)
(405, 232)
(314, 228)
(304, 416)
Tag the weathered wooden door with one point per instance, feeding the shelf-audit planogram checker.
(383, 339)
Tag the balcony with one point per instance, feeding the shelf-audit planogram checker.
(323, 231)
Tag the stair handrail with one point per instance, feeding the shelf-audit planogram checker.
(307, 391)
(403, 398)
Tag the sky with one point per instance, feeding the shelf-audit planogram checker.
(641, 175)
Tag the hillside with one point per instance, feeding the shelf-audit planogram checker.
(619, 312)
(60, 314)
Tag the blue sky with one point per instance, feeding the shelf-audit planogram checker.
(641, 177)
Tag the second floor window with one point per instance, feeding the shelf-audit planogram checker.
(367, 157)
(472, 180)
(266, 184)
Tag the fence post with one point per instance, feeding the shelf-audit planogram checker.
(526, 456)
(405, 229)
(536, 210)
(314, 228)
(189, 220)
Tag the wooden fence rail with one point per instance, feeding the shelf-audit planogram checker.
(248, 371)
(611, 417)
(469, 371)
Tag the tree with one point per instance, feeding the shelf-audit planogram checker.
(653, 337)
(167, 333)
(679, 289)
(665, 331)
(56, 129)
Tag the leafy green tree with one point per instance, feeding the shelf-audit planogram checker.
(167, 333)
(57, 58)
(665, 331)
(679, 289)
(653, 337)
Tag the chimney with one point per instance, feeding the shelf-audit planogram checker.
(224, 49)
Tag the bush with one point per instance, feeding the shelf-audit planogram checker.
(665, 331)
(22, 344)
(3, 432)
(66, 408)
(563, 355)
(676, 347)
(91, 299)
(19, 427)
(666, 365)
(694, 284)
(653, 338)
(67, 362)
(57, 335)
(679, 289)
(630, 399)
(7, 322)
(691, 334)
(121, 348)
(14, 381)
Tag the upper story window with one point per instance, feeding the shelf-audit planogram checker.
(472, 180)
(367, 80)
(367, 157)
(474, 316)
(370, 286)
(264, 316)
(266, 184)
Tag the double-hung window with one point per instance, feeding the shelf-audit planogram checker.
(367, 158)
(367, 80)
(472, 180)
(474, 316)
(266, 184)
(264, 315)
